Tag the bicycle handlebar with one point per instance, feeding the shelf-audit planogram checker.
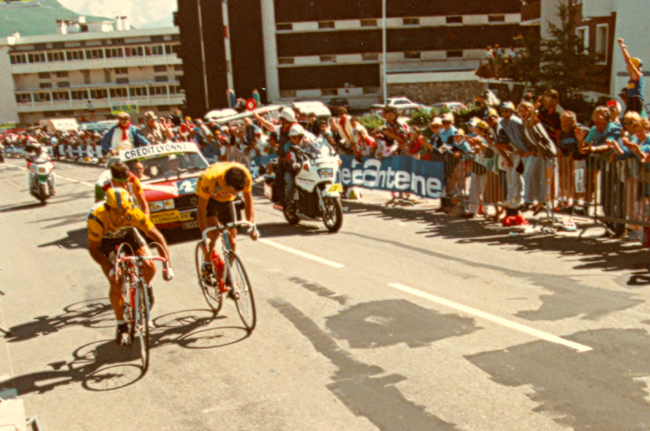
(222, 227)
(168, 274)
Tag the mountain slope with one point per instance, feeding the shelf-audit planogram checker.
(37, 18)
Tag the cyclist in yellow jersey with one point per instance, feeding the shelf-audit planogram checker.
(216, 188)
(110, 224)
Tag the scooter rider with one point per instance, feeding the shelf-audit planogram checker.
(287, 121)
(35, 153)
(300, 139)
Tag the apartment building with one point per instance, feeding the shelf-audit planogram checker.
(105, 63)
(322, 49)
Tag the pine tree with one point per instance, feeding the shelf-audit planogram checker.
(565, 65)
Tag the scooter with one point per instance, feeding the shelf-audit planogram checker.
(317, 197)
(40, 179)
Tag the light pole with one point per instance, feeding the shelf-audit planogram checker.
(383, 56)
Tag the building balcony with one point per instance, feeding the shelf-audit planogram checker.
(103, 63)
(81, 105)
(531, 13)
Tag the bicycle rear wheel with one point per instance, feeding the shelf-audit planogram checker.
(243, 292)
(210, 286)
(142, 325)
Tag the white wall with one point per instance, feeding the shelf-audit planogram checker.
(8, 105)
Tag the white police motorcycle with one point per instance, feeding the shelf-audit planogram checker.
(41, 178)
(317, 196)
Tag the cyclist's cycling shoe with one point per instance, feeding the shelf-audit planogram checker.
(123, 338)
(207, 275)
(151, 297)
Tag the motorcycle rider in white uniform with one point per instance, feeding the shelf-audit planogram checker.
(299, 139)
(36, 153)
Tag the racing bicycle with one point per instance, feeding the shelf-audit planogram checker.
(228, 275)
(137, 305)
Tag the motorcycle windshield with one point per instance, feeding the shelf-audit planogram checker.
(319, 149)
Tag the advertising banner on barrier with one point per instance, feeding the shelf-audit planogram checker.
(395, 174)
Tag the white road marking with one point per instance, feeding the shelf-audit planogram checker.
(492, 318)
(301, 253)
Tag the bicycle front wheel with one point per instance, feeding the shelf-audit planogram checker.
(209, 285)
(242, 292)
(142, 324)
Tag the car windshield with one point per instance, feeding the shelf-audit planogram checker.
(169, 165)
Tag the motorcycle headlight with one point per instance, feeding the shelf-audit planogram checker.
(326, 173)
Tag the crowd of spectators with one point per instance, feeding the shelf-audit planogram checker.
(501, 155)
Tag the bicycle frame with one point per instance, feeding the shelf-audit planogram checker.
(225, 244)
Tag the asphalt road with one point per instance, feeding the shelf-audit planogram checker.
(405, 320)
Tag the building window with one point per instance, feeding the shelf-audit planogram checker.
(162, 78)
(602, 37)
(121, 80)
(156, 50)
(134, 51)
(41, 97)
(368, 23)
(119, 92)
(175, 89)
(583, 35)
(160, 68)
(369, 57)
(45, 85)
(178, 78)
(60, 95)
(172, 49)
(326, 24)
(328, 59)
(285, 60)
(44, 75)
(454, 20)
(23, 98)
(284, 26)
(98, 94)
(63, 74)
(121, 71)
(139, 91)
(36, 58)
(454, 54)
(370, 90)
(114, 53)
(74, 55)
(178, 67)
(158, 91)
(288, 93)
(94, 54)
(411, 21)
(496, 18)
(412, 55)
(18, 59)
(55, 56)
(79, 95)
(63, 84)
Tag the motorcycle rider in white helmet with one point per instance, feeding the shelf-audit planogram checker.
(300, 139)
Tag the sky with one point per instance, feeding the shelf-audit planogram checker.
(141, 13)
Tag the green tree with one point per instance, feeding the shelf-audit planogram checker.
(565, 65)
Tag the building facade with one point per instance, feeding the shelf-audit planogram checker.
(100, 66)
(324, 49)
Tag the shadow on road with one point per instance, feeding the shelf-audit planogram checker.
(76, 239)
(104, 366)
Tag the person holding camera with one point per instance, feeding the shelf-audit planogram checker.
(156, 129)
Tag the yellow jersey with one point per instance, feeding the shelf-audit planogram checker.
(100, 224)
(212, 182)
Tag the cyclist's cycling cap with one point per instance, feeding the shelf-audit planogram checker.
(296, 130)
(118, 198)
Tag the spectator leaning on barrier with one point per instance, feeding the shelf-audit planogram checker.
(511, 140)
(448, 128)
(573, 167)
(535, 174)
(636, 84)
(614, 111)
(156, 130)
(123, 136)
(395, 131)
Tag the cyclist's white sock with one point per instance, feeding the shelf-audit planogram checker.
(120, 322)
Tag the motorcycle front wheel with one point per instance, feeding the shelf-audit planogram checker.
(42, 190)
(333, 214)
